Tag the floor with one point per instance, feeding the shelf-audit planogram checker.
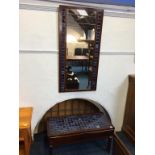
(40, 147)
(82, 76)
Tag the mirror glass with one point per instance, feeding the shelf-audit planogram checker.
(79, 27)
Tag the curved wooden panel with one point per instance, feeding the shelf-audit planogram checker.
(71, 107)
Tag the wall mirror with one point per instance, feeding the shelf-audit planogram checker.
(79, 45)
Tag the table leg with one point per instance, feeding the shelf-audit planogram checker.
(109, 143)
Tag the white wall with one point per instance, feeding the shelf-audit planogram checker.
(39, 71)
(38, 30)
(118, 34)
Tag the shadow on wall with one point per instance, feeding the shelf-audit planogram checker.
(120, 103)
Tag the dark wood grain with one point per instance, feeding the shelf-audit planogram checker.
(128, 128)
(73, 106)
(78, 107)
(80, 137)
(129, 117)
(119, 148)
(62, 48)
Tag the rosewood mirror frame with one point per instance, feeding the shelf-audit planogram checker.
(62, 26)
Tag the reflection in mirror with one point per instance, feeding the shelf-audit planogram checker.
(81, 48)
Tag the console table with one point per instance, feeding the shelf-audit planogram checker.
(25, 115)
(77, 120)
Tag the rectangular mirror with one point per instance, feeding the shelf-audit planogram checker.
(79, 44)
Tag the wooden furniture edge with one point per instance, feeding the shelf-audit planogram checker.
(122, 146)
